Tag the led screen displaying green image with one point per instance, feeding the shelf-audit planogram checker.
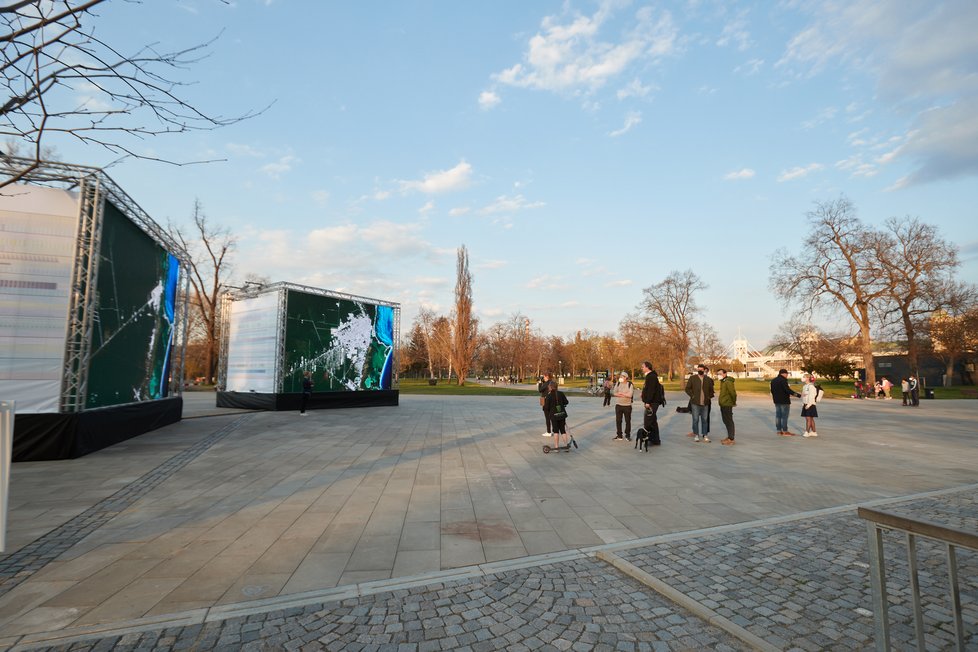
(346, 345)
(134, 317)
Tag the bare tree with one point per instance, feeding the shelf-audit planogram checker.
(836, 271)
(208, 248)
(52, 55)
(954, 330)
(706, 346)
(642, 340)
(919, 265)
(465, 327)
(672, 307)
(425, 325)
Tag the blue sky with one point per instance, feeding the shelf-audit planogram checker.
(580, 150)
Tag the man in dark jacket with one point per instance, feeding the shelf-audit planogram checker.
(782, 394)
(699, 388)
(653, 395)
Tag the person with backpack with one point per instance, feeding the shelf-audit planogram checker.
(555, 406)
(727, 402)
(624, 393)
(544, 387)
(810, 395)
(653, 396)
(607, 385)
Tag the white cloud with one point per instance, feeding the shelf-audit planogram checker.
(822, 116)
(619, 283)
(743, 173)
(280, 167)
(931, 78)
(508, 204)
(239, 149)
(459, 210)
(546, 282)
(488, 100)
(631, 119)
(321, 197)
(381, 195)
(457, 178)
(750, 67)
(571, 55)
(799, 172)
(634, 88)
(735, 33)
(427, 208)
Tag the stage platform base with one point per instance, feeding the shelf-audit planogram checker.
(318, 401)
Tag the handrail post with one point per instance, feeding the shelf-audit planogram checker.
(918, 614)
(877, 578)
(952, 576)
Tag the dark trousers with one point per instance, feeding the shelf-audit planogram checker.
(623, 411)
(303, 402)
(607, 398)
(726, 413)
(546, 416)
(915, 397)
(651, 425)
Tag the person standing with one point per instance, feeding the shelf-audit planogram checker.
(887, 388)
(653, 396)
(607, 384)
(782, 394)
(554, 405)
(914, 391)
(544, 388)
(624, 393)
(727, 402)
(306, 392)
(809, 396)
(699, 388)
(905, 390)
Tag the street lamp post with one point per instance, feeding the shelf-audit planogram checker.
(560, 366)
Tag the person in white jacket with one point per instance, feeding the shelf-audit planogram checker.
(809, 397)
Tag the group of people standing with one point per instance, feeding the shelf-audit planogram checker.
(653, 397)
(701, 389)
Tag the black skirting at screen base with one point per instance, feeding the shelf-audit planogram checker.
(317, 401)
(39, 437)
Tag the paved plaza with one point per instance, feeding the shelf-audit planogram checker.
(440, 524)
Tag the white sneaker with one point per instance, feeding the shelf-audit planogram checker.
(810, 434)
(546, 434)
(696, 439)
(706, 439)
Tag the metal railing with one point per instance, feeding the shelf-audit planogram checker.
(951, 538)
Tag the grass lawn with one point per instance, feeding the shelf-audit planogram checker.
(444, 388)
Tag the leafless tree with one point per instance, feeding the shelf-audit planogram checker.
(642, 340)
(425, 326)
(465, 327)
(441, 345)
(919, 266)
(209, 248)
(672, 307)
(706, 346)
(61, 79)
(837, 270)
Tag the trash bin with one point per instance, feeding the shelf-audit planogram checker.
(432, 381)
(928, 393)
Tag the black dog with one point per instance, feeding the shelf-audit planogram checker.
(642, 438)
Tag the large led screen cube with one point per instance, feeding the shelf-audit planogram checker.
(133, 315)
(346, 343)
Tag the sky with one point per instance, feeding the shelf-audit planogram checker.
(580, 151)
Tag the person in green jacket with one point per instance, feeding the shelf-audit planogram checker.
(727, 401)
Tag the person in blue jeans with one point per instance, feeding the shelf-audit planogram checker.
(782, 393)
(699, 388)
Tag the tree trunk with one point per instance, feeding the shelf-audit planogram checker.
(949, 371)
(867, 350)
(912, 352)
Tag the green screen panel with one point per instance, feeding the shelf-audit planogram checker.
(134, 316)
(347, 345)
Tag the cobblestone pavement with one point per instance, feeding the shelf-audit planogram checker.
(577, 605)
(804, 585)
(21, 564)
(799, 585)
